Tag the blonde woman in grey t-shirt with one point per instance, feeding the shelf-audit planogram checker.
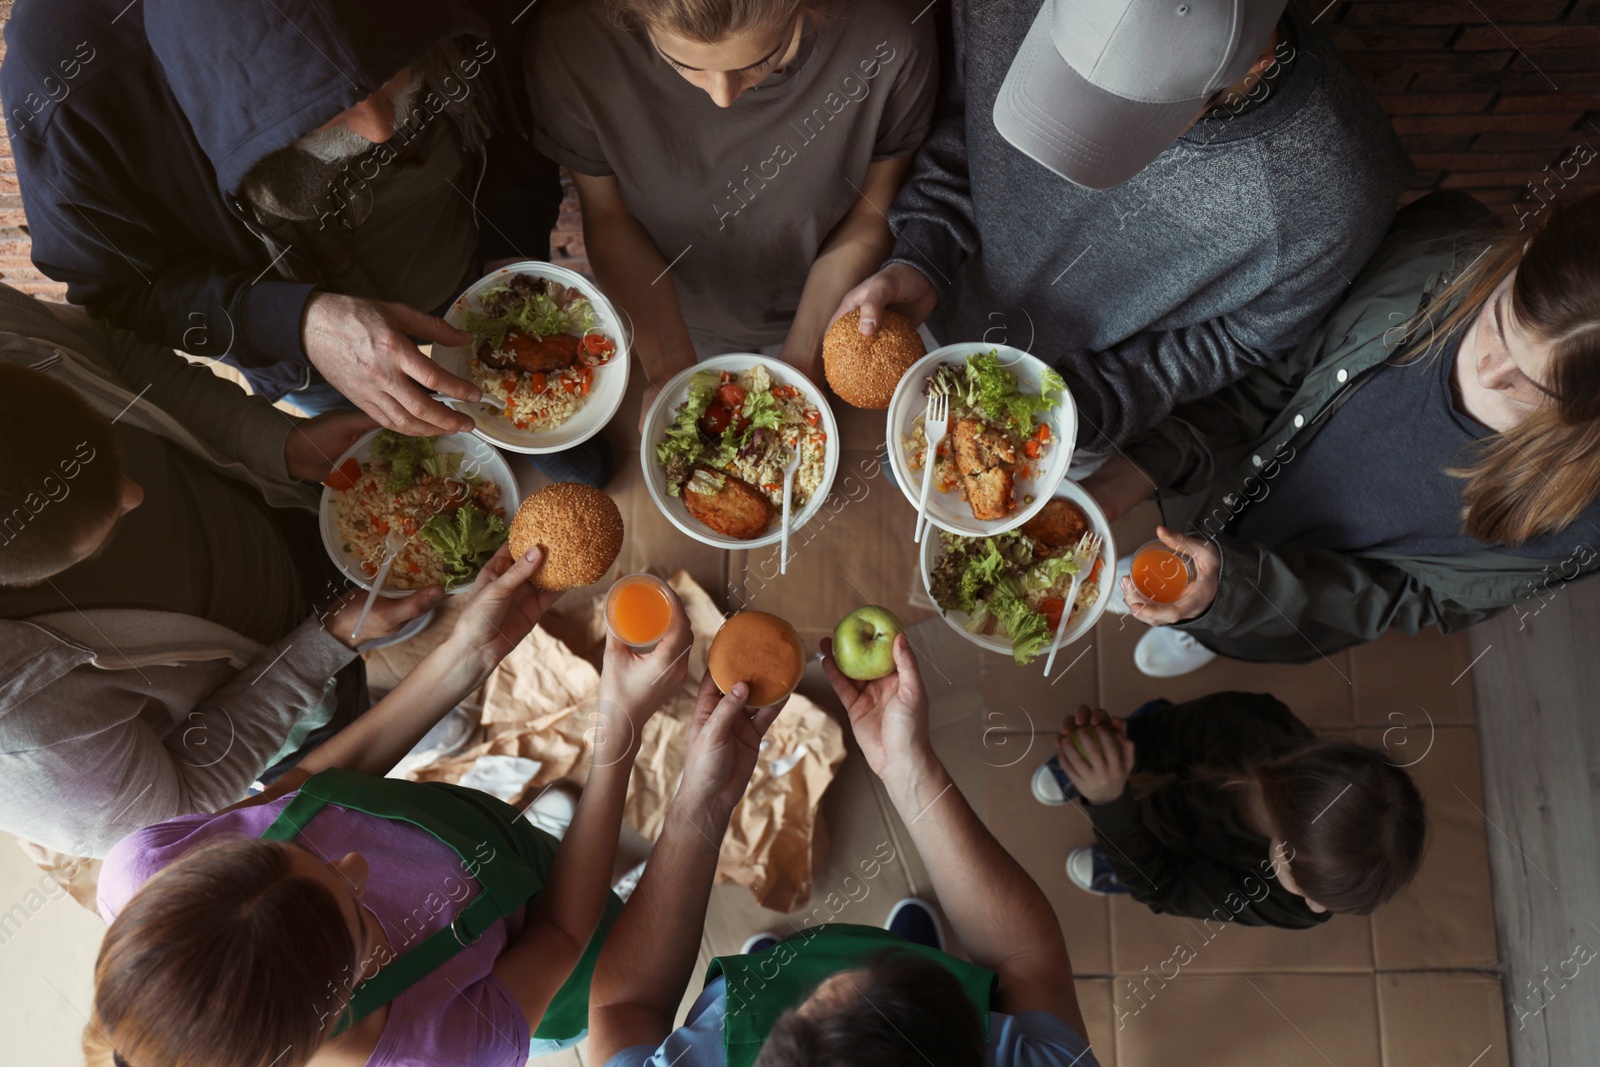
(734, 158)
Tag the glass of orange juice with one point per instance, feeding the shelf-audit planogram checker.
(1161, 574)
(638, 610)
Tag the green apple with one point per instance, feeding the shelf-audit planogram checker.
(863, 643)
(1078, 734)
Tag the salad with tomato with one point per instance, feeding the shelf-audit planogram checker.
(535, 350)
(744, 426)
(1011, 584)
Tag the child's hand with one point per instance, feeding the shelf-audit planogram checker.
(1102, 773)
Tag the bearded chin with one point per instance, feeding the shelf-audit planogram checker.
(339, 144)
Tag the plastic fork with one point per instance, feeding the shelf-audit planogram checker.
(1086, 552)
(935, 425)
(392, 544)
(788, 486)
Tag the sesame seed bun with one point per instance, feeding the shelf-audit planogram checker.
(579, 528)
(864, 370)
(761, 650)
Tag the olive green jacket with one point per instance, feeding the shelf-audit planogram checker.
(1214, 456)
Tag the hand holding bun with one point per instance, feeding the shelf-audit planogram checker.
(579, 528)
(865, 370)
(761, 650)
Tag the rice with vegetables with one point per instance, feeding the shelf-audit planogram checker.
(451, 517)
(745, 425)
(1012, 586)
(535, 350)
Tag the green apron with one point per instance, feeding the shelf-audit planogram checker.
(764, 985)
(510, 875)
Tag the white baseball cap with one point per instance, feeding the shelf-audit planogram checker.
(1100, 88)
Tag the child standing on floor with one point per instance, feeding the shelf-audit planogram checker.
(1229, 807)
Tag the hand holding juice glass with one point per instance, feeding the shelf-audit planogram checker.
(638, 610)
(1161, 574)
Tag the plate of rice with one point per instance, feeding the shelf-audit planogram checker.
(1010, 436)
(448, 495)
(1006, 591)
(717, 439)
(549, 352)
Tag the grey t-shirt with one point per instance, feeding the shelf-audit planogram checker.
(737, 199)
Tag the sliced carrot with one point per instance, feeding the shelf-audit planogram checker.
(540, 383)
(1031, 449)
(1044, 432)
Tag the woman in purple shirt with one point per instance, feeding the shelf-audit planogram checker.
(346, 918)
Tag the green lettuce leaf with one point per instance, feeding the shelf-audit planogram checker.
(682, 444)
(464, 541)
(404, 455)
(537, 316)
(1028, 629)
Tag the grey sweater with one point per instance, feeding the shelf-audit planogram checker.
(1218, 257)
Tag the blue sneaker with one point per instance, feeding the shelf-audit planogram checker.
(1051, 786)
(1091, 871)
(758, 943)
(915, 921)
(588, 463)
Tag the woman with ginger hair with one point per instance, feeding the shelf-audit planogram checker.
(1429, 456)
(748, 147)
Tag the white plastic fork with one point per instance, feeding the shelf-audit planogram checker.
(1087, 551)
(788, 487)
(935, 425)
(392, 544)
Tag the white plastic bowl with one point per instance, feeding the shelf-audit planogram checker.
(950, 511)
(605, 395)
(478, 456)
(1076, 628)
(660, 416)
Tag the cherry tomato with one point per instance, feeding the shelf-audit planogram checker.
(597, 348)
(345, 476)
(1052, 608)
(717, 417)
(730, 396)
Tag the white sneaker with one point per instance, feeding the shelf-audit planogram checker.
(1166, 652)
(1118, 605)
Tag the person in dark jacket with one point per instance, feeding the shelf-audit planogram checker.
(1152, 239)
(291, 186)
(1229, 808)
(1314, 524)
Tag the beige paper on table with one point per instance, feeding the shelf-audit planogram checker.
(540, 704)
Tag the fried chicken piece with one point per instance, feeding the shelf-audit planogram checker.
(527, 354)
(985, 460)
(1059, 524)
(738, 509)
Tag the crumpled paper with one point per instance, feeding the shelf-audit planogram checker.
(539, 705)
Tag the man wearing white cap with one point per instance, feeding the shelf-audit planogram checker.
(1152, 195)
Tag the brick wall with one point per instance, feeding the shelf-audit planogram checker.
(1500, 98)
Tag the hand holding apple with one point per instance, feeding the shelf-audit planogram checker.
(1096, 753)
(863, 643)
